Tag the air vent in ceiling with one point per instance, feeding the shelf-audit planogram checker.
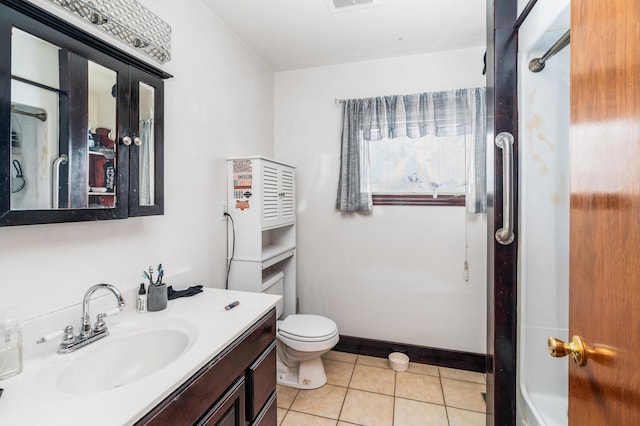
(346, 4)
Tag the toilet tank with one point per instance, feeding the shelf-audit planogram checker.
(274, 284)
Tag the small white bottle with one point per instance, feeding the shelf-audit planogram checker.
(141, 302)
(10, 348)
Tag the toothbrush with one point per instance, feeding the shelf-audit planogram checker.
(160, 274)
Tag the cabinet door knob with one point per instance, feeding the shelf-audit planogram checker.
(137, 141)
(126, 140)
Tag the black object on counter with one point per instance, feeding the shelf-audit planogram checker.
(191, 291)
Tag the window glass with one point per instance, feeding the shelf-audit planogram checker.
(429, 165)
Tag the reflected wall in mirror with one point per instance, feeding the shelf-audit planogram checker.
(147, 145)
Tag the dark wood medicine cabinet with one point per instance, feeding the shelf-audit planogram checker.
(81, 124)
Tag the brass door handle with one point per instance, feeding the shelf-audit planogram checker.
(577, 348)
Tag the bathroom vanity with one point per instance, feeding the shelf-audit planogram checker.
(236, 386)
(192, 363)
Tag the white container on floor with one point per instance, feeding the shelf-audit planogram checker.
(398, 361)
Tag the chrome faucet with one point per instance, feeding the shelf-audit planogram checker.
(87, 333)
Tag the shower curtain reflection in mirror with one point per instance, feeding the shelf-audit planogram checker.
(147, 148)
(146, 162)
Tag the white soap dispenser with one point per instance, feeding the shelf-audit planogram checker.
(10, 348)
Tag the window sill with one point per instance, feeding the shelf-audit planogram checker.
(417, 200)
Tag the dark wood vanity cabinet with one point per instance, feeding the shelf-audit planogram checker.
(237, 387)
(230, 408)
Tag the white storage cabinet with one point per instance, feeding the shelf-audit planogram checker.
(261, 201)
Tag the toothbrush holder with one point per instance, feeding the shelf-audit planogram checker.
(157, 297)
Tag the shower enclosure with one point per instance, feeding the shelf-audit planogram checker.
(543, 273)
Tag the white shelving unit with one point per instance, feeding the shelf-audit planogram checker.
(261, 201)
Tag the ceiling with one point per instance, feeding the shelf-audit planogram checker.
(294, 34)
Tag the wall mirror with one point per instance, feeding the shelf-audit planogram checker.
(80, 124)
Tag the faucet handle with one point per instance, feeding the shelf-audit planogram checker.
(100, 324)
(68, 336)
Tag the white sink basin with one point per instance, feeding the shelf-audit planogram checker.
(121, 358)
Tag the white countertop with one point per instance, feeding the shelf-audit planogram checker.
(31, 398)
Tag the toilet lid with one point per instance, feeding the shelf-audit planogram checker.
(307, 327)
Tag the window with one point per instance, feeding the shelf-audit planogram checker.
(425, 171)
(425, 148)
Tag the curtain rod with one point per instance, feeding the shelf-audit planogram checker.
(524, 14)
(537, 64)
(341, 101)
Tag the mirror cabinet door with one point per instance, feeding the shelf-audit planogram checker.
(146, 157)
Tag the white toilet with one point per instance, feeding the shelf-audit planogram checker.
(300, 342)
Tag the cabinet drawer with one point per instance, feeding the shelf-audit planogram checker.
(269, 414)
(261, 378)
(198, 394)
(229, 410)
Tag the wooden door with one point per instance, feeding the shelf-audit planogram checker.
(605, 211)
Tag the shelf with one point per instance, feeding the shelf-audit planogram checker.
(103, 153)
(270, 280)
(276, 253)
(271, 255)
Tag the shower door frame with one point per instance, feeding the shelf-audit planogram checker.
(502, 260)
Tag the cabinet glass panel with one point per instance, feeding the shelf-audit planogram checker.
(146, 170)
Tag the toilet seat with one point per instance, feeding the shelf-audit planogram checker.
(307, 328)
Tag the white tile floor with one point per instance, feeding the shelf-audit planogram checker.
(363, 390)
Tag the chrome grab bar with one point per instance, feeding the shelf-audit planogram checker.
(505, 234)
(56, 179)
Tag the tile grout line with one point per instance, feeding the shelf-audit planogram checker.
(348, 387)
(446, 411)
(291, 405)
(395, 387)
(345, 398)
